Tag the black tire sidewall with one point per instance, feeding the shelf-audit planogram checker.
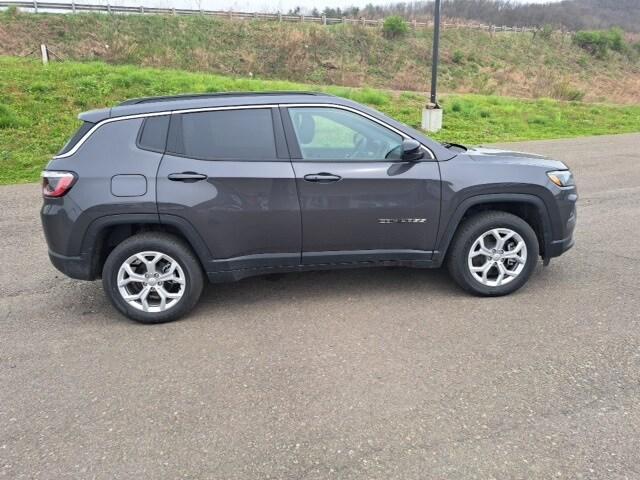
(168, 245)
(471, 235)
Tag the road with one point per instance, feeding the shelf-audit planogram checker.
(377, 374)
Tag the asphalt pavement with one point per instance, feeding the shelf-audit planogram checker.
(376, 373)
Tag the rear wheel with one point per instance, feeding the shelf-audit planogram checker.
(153, 278)
(493, 253)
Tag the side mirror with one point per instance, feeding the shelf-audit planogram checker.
(411, 150)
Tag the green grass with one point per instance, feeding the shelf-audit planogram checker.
(39, 107)
(473, 61)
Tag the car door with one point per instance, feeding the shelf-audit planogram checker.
(359, 201)
(227, 172)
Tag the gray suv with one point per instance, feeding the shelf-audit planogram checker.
(157, 194)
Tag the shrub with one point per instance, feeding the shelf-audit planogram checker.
(457, 57)
(456, 107)
(546, 32)
(8, 119)
(394, 26)
(11, 11)
(565, 91)
(599, 42)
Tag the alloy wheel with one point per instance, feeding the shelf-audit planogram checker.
(497, 257)
(151, 281)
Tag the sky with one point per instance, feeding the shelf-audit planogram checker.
(260, 5)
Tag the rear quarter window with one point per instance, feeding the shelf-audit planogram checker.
(81, 132)
(153, 133)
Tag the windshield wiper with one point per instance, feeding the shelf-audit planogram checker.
(454, 145)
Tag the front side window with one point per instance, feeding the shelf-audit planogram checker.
(245, 134)
(326, 133)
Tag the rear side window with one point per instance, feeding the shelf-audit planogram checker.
(245, 134)
(84, 128)
(153, 133)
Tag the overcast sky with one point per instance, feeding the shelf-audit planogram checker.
(261, 5)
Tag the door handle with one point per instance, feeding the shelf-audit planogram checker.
(322, 177)
(188, 177)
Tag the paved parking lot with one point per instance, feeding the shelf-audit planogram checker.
(384, 374)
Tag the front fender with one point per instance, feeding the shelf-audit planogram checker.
(446, 233)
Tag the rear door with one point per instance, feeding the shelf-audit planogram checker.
(227, 172)
(359, 201)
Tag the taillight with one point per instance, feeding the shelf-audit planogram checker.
(57, 184)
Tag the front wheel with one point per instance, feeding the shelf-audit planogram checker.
(152, 278)
(493, 253)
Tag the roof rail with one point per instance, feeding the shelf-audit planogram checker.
(190, 96)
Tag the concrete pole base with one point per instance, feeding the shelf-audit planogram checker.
(432, 119)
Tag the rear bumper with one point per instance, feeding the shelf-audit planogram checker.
(74, 267)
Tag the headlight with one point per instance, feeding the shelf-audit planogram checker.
(562, 178)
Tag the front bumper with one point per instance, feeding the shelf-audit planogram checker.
(568, 212)
(558, 247)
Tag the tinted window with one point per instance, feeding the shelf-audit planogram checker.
(84, 128)
(228, 134)
(154, 133)
(334, 134)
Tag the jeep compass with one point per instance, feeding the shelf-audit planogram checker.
(158, 194)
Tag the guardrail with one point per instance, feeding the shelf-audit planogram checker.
(73, 7)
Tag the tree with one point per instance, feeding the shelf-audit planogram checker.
(394, 26)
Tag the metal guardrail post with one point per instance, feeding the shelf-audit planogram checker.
(35, 5)
(73, 6)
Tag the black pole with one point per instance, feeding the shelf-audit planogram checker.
(436, 46)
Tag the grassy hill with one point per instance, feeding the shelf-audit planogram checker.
(513, 64)
(39, 106)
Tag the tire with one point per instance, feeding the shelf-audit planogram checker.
(518, 262)
(178, 278)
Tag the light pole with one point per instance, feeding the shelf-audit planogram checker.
(432, 113)
(436, 48)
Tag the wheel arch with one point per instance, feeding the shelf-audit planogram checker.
(530, 208)
(106, 232)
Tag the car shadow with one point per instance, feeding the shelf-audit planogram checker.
(327, 284)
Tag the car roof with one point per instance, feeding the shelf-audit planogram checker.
(215, 95)
(137, 106)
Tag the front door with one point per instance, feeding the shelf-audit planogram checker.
(359, 201)
(227, 173)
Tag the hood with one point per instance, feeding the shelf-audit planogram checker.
(512, 157)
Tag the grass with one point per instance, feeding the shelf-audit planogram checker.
(511, 64)
(39, 107)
